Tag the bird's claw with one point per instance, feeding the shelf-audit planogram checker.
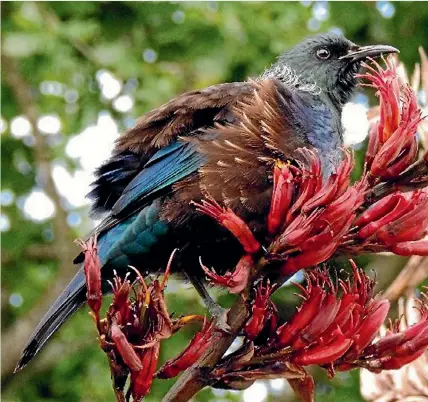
(220, 316)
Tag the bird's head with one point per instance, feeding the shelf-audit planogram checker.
(330, 61)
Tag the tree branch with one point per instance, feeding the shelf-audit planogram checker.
(15, 337)
(414, 272)
(194, 379)
(38, 252)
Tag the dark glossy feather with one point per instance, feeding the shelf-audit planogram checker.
(174, 162)
(112, 178)
(186, 115)
(67, 303)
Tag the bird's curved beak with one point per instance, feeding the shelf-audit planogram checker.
(362, 52)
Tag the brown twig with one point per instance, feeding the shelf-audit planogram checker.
(414, 272)
(303, 387)
(37, 252)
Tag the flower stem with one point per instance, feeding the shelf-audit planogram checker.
(193, 380)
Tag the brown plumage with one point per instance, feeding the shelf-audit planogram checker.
(240, 159)
(183, 114)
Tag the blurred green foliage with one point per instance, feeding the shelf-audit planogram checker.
(156, 50)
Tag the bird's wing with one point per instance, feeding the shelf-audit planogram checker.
(149, 143)
(169, 165)
(166, 167)
(182, 115)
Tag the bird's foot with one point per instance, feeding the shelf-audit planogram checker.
(219, 315)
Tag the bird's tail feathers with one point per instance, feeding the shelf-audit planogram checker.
(66, 304)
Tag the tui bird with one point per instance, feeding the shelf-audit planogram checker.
(222, 140)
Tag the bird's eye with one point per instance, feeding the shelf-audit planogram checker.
(323, 53)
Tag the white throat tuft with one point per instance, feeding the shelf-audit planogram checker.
(288, 76)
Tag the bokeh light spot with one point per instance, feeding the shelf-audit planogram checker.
(51, 88)
(109, 85)
(320, 11)
(4, 223)
(3, 125)
(38, 206)
(278, 384)
(74, 219)
(386, 9)
(20, 127)
(49, 124)
(178, 16)
(123, 103)
(313, 24)
(355, 123)
(71, 96)
(16, 300)
(149, 56)
(6, 197)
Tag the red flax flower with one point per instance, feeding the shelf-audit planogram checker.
(335, 327)
(141, 381)
(92, 269)
(392, 144)
(132, 330)
(395, 349)
(263, 311)
(192, 352)
(307, 219)
(319, 216)
(237, 280)
(397, 223)
(136, 323)
(408, 383)
(228, 219)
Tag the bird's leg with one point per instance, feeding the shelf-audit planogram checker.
(218, 313)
